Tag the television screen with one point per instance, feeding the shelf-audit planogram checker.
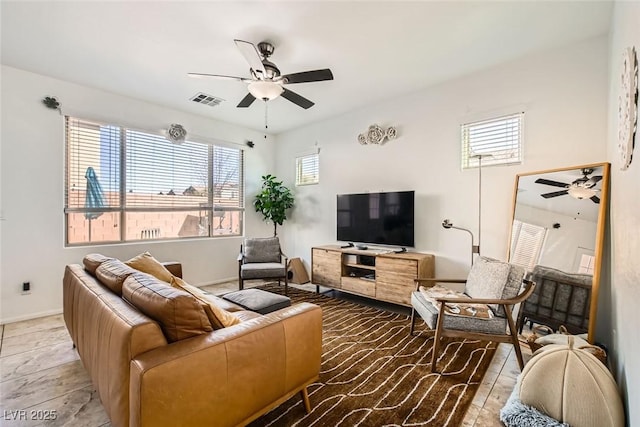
(383, 218)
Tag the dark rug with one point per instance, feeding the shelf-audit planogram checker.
(375, 374)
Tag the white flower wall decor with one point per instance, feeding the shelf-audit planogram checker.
(377, 135)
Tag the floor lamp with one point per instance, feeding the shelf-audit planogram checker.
(479, 157)
(475, 249)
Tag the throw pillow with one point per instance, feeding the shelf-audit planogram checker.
(487, 279)
(179, 314)
(148, 264)
(219, 317)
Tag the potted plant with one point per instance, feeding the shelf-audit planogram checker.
(273, 201)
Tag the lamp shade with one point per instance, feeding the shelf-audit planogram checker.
(265, 90)
(581, 192)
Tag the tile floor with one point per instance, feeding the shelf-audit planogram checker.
(41, 374)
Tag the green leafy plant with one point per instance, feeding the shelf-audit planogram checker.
(273, 201)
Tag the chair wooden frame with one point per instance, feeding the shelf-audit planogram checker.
(507, 304)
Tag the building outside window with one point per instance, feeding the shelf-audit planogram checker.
(125, 185)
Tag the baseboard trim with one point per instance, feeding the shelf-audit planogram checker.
(31, 316)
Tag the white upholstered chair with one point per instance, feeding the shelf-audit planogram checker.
(483, 311)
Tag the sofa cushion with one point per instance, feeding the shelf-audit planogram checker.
(179, 314)
(148, 264)
(218, 317)
(112, 274)
(92, 261)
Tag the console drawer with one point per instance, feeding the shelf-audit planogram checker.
(361, 286)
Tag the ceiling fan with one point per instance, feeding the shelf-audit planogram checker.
(266, 82)
(581, 188)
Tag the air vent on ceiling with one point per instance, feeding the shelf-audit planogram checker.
(203, 98)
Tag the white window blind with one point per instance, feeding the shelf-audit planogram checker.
(526, 244)
(125, 185)
(497, 140)
(308, 169)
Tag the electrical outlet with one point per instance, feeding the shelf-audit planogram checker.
(26, 288)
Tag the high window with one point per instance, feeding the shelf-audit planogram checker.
(498, 141)
(308, 169)
(126, 185)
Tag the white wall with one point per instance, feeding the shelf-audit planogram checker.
(619, 306)
(32, 179)
(564, 95)
(562, 244)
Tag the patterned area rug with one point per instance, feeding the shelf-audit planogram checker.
(375, 374)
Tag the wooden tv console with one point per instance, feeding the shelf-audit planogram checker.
(371, 273)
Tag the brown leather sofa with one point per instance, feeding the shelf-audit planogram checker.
(223, 377)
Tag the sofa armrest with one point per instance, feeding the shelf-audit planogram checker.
(231, 375)
(174, 268)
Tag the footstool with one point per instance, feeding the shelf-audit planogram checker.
(257, 300)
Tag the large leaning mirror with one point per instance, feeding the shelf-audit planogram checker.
(557, 234)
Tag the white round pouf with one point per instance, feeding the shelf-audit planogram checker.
(571, 386)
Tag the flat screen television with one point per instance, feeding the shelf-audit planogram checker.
(382, 218)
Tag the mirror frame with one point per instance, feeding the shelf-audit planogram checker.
(600, 231)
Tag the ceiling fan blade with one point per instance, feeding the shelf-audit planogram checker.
(246, 101)
(251, 54)
(595, 179)
(217, 76)
(550, 182)
(555, 194)
(308, 76)
(297, 99)
(595, 199)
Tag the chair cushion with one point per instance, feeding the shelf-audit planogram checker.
(429, 313)
(487, 279)
(148, 264)
(179, 314)
(266, 249)
(112, 274)
(262, 270)
(219, 317)
(257, 300)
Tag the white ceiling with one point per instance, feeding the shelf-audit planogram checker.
(376, 50)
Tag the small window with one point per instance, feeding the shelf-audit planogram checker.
(497, 141)
(308, 169)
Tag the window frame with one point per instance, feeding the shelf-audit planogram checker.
(497, 156)
(209, 209)
(314, 172)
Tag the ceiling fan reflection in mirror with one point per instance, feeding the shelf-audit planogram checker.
(266, 81)
(581, 188)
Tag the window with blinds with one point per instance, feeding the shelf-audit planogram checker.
(308, 169)
(526, 244)
(125, 185)
(497, 141)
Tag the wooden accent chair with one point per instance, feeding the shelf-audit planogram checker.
(483, 311)
(262, 258)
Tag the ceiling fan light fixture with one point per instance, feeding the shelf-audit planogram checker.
(265, 90)
(581, 192)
